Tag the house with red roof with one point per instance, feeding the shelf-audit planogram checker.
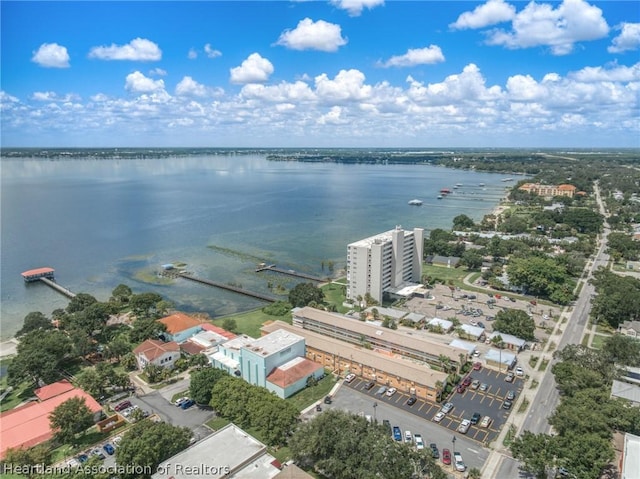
(154, 351)
(28, 425)
(180, 327)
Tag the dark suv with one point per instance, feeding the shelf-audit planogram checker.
(475, 418)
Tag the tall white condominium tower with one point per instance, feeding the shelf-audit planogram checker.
(384, 261)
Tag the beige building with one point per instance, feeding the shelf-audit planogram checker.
(157, 352)
(361, 333)
(380, 366)
(549, 190)
(384, 261)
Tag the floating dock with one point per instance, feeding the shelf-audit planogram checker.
(235, 289)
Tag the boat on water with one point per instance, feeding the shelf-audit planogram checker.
(507, 179)
(415, 202)
(440, 197)
(481, 184)
(445, 191)
(458, 185)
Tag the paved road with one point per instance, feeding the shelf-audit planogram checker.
(547, 397)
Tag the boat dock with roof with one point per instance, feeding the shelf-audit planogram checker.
(46, 275)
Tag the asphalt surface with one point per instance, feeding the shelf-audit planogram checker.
(408, 418)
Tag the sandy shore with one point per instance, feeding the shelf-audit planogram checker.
(8, 348)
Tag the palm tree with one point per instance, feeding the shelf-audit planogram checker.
(499, 343)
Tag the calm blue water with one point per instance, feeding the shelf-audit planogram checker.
(100, 223)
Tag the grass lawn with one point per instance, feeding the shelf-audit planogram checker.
(604, 329)
(249, 323)
(217, 423)
(596, 342)
(335, 294)
(19, 394)
(308, 396)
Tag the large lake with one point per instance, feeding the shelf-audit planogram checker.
(100, 223)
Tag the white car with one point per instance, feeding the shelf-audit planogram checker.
(464, 426)
(408, 437)
(349, 378)
(486, 421)
(459, 463)
(439, 416)
(519, 371)
(447, 407)
(419, 442)
(473, 322)
(391, 391)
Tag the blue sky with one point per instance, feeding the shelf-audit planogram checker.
(339, 73)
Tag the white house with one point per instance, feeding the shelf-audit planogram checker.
(157, 352)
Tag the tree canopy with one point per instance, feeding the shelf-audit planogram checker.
(516, 322)
(618, 298)
(202, 382)
(69, 419)
(39, 356)
(34, 321)
(304, 293)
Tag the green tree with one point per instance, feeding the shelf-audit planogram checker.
(202, 383)
(471, 259)
(146, 328)
(39, 357)
(463, 222)
(116, 348)
(515, 322)
(304, 293)
(147, 444)
(145, 305)
(623, 350)
(79, 302)
(230, 325)
(121, 294)
(34, 321)
(29, 458)
(537, 275)
(90, 381)
(535, 451)
(153, 372)
(70, 418)
(618, 298)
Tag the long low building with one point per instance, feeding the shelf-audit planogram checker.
(403, 343)
(383, 367)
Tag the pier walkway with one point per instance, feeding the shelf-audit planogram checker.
(290, 272)
(228, 287)
(60, 289)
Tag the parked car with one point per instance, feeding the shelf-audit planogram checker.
(318, 408)
(419, 441)
(391, 391)
(475, 384)
(381, 390)
(116, 441)
(459, 463)
(397, 434)
(187, 404)
(98, 453)
(434, 450)
(369, 385)
(461, 389)
(511, 395)
(408, 437)
(179, 401)
(481, 325)
(82, 458)
(411, 401)
(109, 449)
(122, 406)
(473, 322)
(350, 377)
(475, 419)
(464, 426)
(477, 366)
(484, 387)
(519, 371)
(466, 381)
(509, 377)
(507, 405)
(447, 407)
(486, 421)
(446, 457)
(73, 463)
(439, 416)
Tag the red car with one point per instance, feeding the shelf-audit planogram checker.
(446, 457)
(122, 406)
(466, 381)
(477, 366)
(461, 388)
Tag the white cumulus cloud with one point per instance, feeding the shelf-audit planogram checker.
(192, 55)
(51, 55)
(355, 7)
(629, 38)
(416, 56)
(138, 49)
(310, 35)
(255, 69)
(138, 83)
(490, 13)
(558, 28)
(348, 85)
(188, 86)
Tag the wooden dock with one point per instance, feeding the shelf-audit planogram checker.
(290, 272)
(60, 289)
(228, 287)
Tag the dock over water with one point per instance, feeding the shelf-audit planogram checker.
(290, 272)
(228, 287)
(47, 276)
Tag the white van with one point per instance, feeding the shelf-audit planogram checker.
(459, 463)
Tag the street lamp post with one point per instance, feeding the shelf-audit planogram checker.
(453, 441)
(375, 405)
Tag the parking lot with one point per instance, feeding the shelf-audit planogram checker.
(350, 397)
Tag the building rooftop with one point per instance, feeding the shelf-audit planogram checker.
(292, 371)
(291, 471)
(398, 336)
(27, 426)
(54, 389)
(498, 356)
(380, 237)
(239, 342)
(178, 322)
(475, 331)
(229, 447)
(274, 342)
(207, 339)
(508, 338)
(391, 364)
(154, 348)
(458, 343)
(628, 391)
(218, 330)
(37, 271)
(631, 457)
